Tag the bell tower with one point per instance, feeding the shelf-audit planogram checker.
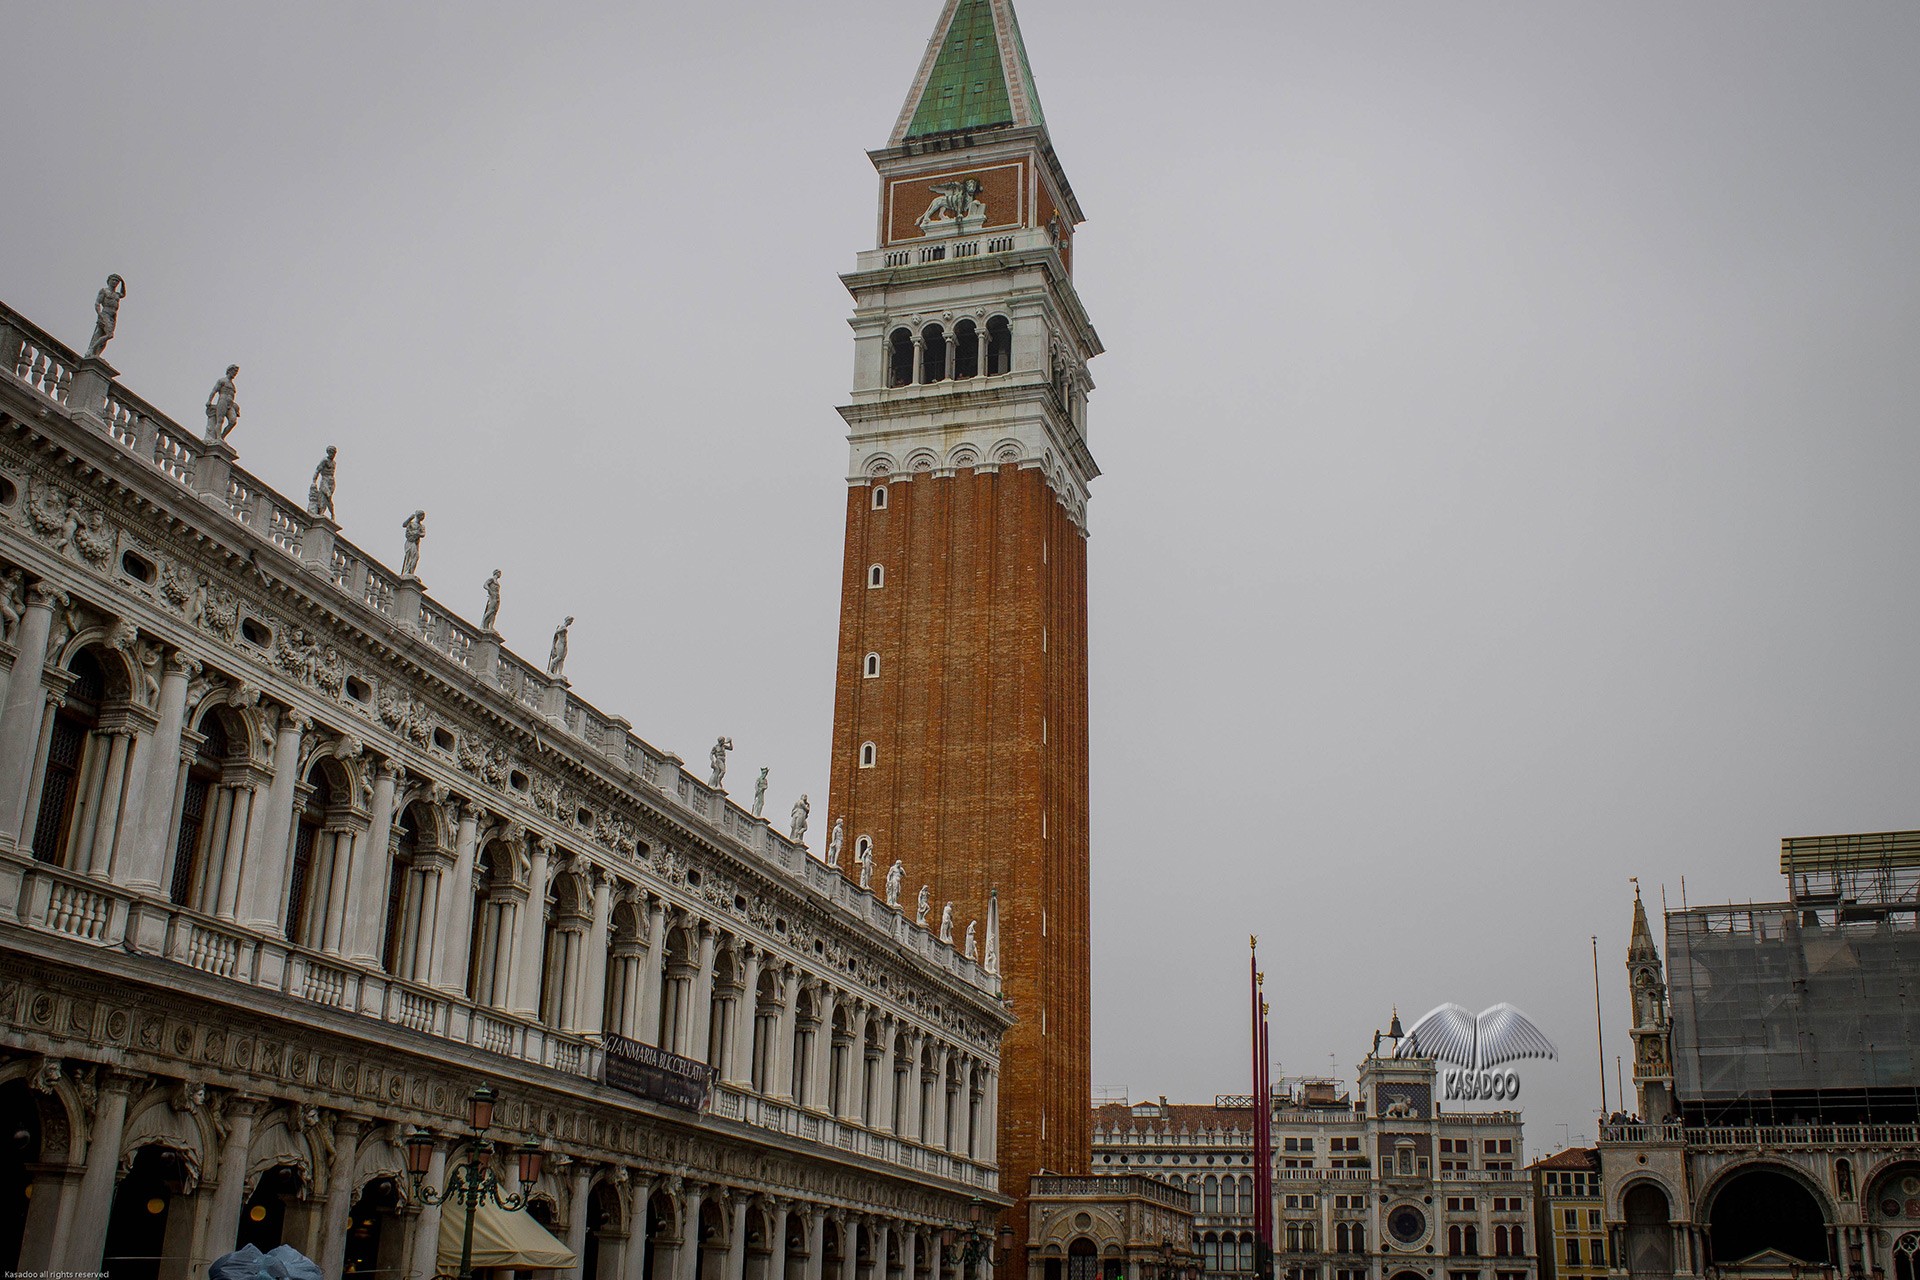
(960, 707)
(1652, 1038)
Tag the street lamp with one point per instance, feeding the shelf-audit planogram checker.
(471, 1181)
(977, 1247)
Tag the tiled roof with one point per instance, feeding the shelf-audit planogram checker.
(1174, 1117)
(1571, 1158)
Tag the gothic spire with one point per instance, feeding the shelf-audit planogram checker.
(974, 76)
(1641, 948)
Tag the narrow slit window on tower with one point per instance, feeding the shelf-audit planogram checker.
(876, 575)
(869, 755)
(879, 497)
(873, 665)
(862, 849)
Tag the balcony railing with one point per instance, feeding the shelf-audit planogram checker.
(55, 900)
(1113, 1188)
(1755, 1137)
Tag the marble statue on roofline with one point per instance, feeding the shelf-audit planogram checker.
(971, 949)
(320, 492)
(415, 527)
(946, 924)
(717, 758)
(223, 409)
(797, 832)
(863, 858)
(921, 906)
(106, 314)
(557, 654)
(895, 874)
(834, 841)
(760, 792)
(492, 610)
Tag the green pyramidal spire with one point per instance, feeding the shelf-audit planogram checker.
(975, 75)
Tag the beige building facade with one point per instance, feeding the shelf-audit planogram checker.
(293, 856)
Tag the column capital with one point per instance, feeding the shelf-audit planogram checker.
(182, 663)
(44, 595)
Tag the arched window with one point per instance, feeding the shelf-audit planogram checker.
(933, 356)
(900, 358)
(1246, 1195)
(1499, 1242)
(1246, 1251)
(495, 916)
(1453, 1240)
(1472, 1234)
(862, 848)
(1210, 1252)
(869, 754)
(1210, 1196)
(305, 908)
(966, 350)
(1843, 1178)
(1340, 1238)
(1906, 1257)
(872, 669)
(879, 497)
(1517, 1242)
(999, 345)
(876, 576)
(69, 746)
(1359, 1237)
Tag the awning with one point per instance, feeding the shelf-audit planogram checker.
(500, 1239)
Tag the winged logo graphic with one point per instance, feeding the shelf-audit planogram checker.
(1453, 1034)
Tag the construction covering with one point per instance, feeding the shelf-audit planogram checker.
(1814, 996)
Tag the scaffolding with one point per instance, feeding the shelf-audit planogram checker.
(1808, 1007)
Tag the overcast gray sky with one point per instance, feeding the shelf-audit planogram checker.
(1508, 422)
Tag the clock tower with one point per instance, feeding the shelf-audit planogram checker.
(960, 707)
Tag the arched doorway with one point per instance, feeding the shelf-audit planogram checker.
(661, 1217)
(1649, 1242)
(1083, 1260)
(263, 1219)
(373, 1236)
(1764, 1209)
(71, 747)
(19, 1152)
(1892, 1206)
(137, 1226)
(604, 1233)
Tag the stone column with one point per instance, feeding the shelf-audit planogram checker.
(940, 1133)
(339, 1210)
(737, 1244)
(849, 1248)
(267, 863)
(423, 1251)
(531, 946)
(591, 1003)
(25, 706)
(700, 1024)
(880, 1110)
(855, 1104)
(237, 836)
(910, 1253)
(780, 1052)
(820, 1070)
(230, 1192)
(882, 1237)
(88, 1237)
(349, 851)
(777, 1262)
(652, 969)
(105, 824)
(579, 1184)
(456, 906)
(980, 337)
(961, 1138)
(953, 350)
(367, 899)
(746, 1015)
(690, 1206)
(817, 1244)
(908, 1125)
(141, 863)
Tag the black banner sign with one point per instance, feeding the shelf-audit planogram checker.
(655, 1074)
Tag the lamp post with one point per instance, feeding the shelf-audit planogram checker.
(471, 1181)
(976, 1246)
